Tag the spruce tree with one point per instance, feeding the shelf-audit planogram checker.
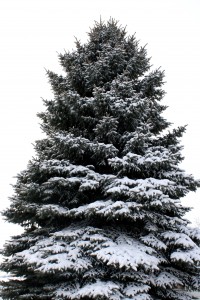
(100, 203)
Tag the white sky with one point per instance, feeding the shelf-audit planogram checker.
(33, 31)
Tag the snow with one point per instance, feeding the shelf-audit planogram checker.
(142, 240)
(192, 232)
(108, 209)
(178, 239)
(51, 210)
(133, 289)
(130, 254)
(153, 241)
(48, 256)
(97, 289)
(190, 256)
(148, 187)
(78, 145)
(73, 249)
(167, 280)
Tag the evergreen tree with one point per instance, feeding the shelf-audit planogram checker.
(100, 202)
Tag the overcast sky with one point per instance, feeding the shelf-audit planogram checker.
(33, 31)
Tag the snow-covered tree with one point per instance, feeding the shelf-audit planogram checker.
(101, 201)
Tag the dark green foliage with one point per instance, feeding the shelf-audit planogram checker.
(100, 202)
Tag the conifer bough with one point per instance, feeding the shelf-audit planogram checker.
(101, 201)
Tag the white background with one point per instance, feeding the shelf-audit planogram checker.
(33, 31)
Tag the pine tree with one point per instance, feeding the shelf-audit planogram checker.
(100, 203)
